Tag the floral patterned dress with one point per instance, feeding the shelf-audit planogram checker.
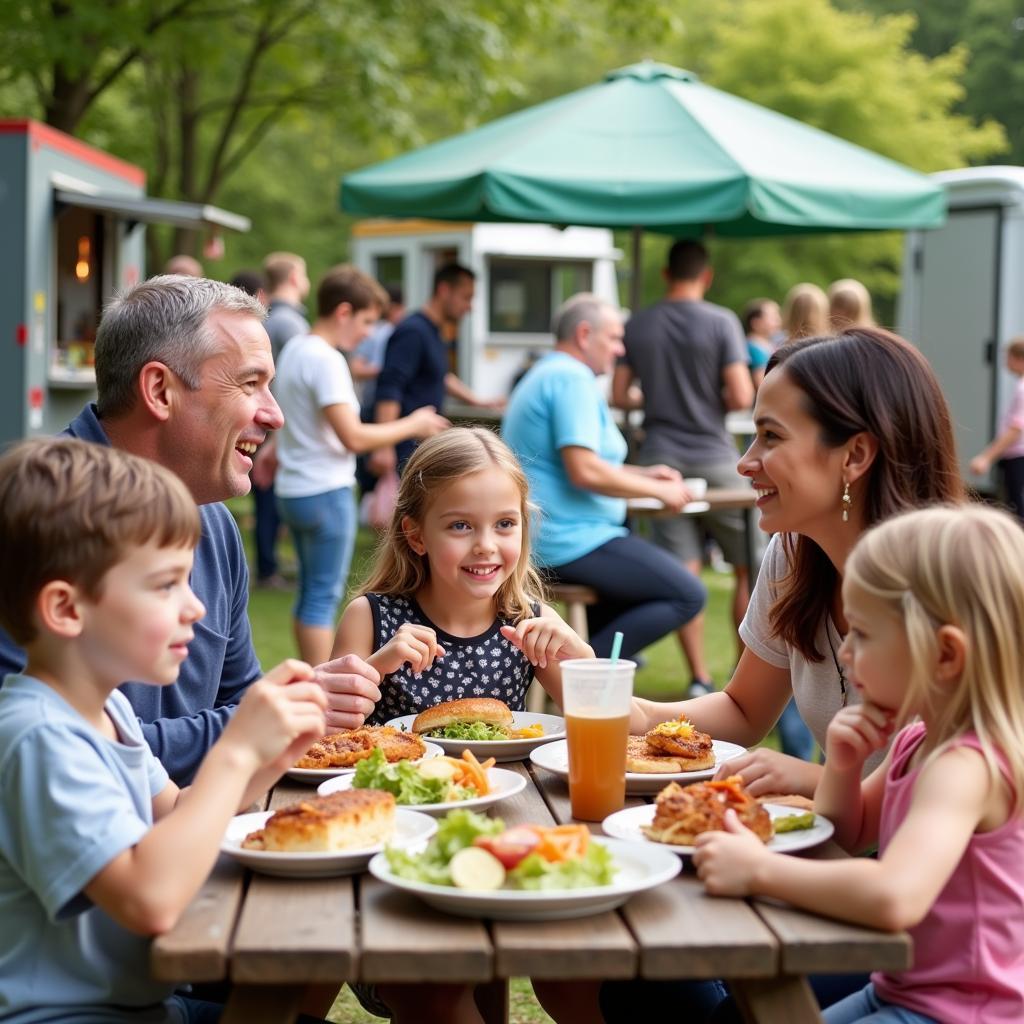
(476, 666)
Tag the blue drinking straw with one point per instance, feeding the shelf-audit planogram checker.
(616, 647)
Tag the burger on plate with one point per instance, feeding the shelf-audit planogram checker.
(473, 718)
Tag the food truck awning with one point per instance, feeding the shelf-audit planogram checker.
(155, 211)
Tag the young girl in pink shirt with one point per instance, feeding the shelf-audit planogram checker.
(935, 603)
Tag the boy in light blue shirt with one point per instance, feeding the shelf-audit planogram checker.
(99, 850)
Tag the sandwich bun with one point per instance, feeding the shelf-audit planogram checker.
(469, 709)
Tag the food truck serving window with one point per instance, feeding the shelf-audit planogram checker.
(80, 286)
(522, 294)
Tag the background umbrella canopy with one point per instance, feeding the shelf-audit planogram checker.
(651, 146)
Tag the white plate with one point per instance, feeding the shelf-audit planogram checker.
(500, 750)
(410, 827)
(503, 784)
(314, 776)
(555, 758)
(626, 825)
(637, 868)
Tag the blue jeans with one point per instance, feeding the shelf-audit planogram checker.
(324, 529)
(265, 530)
(644, 593)
(794, 736)
(864, 1007)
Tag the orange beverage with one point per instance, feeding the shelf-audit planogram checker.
(597, 762)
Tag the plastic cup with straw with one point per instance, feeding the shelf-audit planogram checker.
(596, 695)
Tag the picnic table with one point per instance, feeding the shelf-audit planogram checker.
(272, 936)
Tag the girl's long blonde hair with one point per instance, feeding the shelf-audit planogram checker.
(440, 460)
(962, 567)
(805, 312)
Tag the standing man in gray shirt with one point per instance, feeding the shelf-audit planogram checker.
(690, 358)
(287, 288)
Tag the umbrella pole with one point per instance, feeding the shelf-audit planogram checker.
(636, 282)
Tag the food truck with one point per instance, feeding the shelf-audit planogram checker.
(71, 219)
(961, 299)
(523, 273)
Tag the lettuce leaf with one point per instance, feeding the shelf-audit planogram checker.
(455, 831)
(400, 779)
(470, 731)
(595, 867)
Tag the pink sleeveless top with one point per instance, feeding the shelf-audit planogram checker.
(969, 950)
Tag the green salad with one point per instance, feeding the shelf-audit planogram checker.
(464, 835)
(409, 783)
(470, 731)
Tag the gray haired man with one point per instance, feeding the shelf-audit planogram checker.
(183, 372)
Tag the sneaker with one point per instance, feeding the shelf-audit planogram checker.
(275, 581)
(699, 687)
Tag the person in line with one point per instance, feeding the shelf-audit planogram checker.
(849, 305)
(559, 425)
(1007, 448)
(805, 313)
(690, 359)
(99, 849)
(317, 445)
(841, 425)
(185, 265)
(287, 287)
(252, 282)
(935, 603)
(416, 370)
(452, 608)
(183, 371)
(762, 324)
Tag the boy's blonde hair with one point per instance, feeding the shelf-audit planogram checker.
(963, 567)
(437, 462)
(70, 510)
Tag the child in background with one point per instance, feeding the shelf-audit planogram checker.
(452, 607)
(1007, 450)
(99, 850)
(935, 603)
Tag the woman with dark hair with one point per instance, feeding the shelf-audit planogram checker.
(850, 430)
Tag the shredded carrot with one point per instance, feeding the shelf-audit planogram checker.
(561, 842)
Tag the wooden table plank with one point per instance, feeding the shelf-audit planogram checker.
(684, 933)
(590, 947)
(818, 945)
(781, 1000)
(404, 940)
(197, 948)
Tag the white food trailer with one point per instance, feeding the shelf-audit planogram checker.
(524, 272)
(962, 298)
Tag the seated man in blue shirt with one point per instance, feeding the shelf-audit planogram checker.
(183, 371)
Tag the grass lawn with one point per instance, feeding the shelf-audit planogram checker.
(663, 676)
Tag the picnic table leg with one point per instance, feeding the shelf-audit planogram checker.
(492, 1001)
(787, 999)
(263, 1004)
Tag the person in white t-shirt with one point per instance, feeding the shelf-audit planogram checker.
(317, 446)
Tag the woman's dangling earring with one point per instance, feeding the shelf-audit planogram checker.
(847, 502)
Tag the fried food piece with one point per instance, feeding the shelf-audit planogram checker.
(679, 738)
(681, 813)
(640, 758)
(397, 746)
(345, 749)
(338, 750)
(351, 820)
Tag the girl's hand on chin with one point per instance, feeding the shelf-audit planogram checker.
(855, 734)
(546, 640)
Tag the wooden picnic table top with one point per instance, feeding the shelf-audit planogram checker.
(272, 935)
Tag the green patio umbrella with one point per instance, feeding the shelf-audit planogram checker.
(651, 147)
